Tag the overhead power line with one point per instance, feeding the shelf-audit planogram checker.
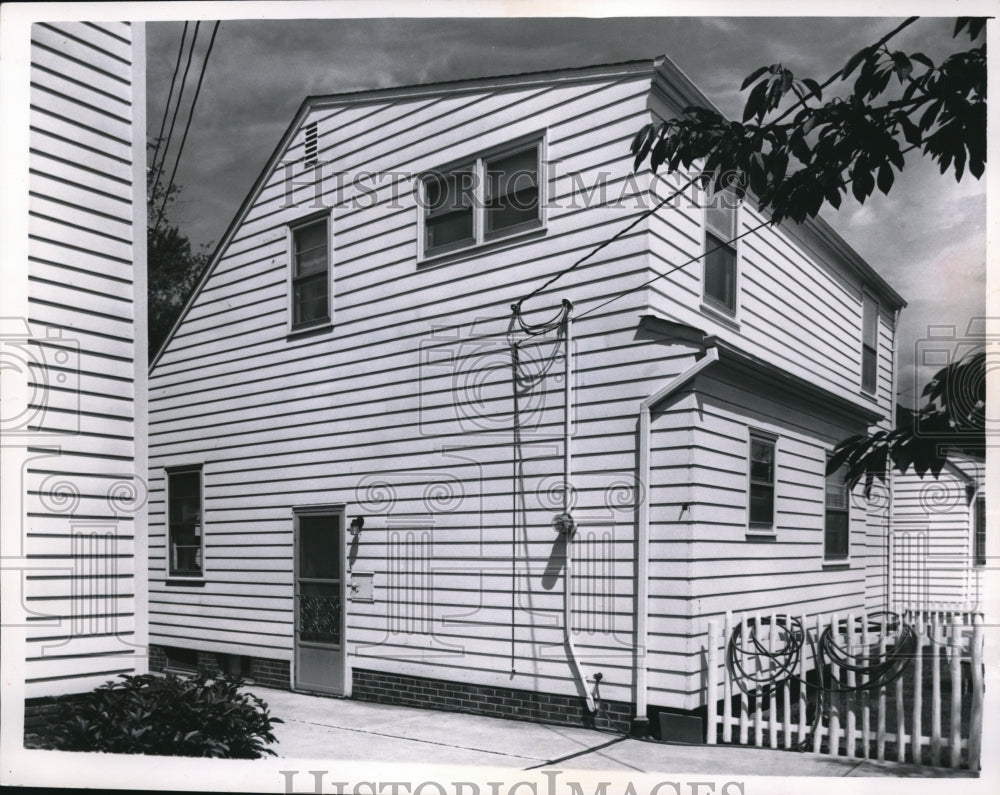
(187, 126)
(177, 107)
(170, 96)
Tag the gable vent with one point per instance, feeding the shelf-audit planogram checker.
(312, 145)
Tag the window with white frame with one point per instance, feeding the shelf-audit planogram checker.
(720, 253)
(869, 343)
(490, 197)
(310, 274)
(761, 482)
(185, 525)
(837, 516)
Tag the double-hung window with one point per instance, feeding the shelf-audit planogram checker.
(185, 524)
(490, 197)
(761, 482)
(310, 274)
(869, 343)
(837, 518)
(720, 254)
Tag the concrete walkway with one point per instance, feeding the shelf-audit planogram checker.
(342, 729)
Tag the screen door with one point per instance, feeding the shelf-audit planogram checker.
(319, 643)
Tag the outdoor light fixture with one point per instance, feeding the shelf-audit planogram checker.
(356, 524)
(564, 523)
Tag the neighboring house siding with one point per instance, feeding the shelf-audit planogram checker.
(86, 261)
(933, 561)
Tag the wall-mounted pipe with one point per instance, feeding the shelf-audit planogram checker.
(567, 505)
(640, 725)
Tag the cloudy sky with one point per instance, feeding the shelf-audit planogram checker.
(927, 238)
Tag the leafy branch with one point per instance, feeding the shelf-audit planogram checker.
(794, 166)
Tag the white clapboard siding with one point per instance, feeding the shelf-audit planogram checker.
(81, 497)
(402, 412)
(933, 561)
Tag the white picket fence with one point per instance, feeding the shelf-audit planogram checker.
(919, 720)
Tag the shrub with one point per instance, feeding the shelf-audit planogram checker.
(169, 716)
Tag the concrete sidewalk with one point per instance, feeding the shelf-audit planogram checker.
(342, 729)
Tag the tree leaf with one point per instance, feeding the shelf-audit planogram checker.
(852, 63)
(920, 58)
(885, 177)
(813, 87)
(902, 66)
(755, 102)
(752, 77)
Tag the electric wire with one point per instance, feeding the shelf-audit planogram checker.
(638, 219)
(187, 126)
(177, 107)
(170, 95)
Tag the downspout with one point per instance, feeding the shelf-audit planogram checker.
(640, 725)
(568, 528)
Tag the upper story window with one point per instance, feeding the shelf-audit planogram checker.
(720, 257)
(185, 536)
(869, 343)
(761, 481)
(490, 197)
(309, 286)
(836, 520)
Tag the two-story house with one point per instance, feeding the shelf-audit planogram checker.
(358, 458)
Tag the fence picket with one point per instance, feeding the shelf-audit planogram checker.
(849, 699)
(712, 683)
(804, 670)
(955, 649)
(900, 722)
(882, 702)
(758, 716)
(866, 726)
(727, 682)
(835, 695)
(935, 690)
(772, 717)
(976, 715)
(918, 690)
(818, 734)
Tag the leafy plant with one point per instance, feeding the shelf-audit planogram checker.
(167, 716)
(953, 419)
(795, 156)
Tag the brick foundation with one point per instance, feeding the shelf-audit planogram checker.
(270, 673)
(497, 702)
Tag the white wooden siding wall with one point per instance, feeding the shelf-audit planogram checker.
(793, 311)
(932, 542)
(81, 508)
(368, 415)
(703, 562)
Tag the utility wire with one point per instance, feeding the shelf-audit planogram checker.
(641, 217)
(177, 107)
(830, 80)
(194, 102)
(659, 276)
(170, 96)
